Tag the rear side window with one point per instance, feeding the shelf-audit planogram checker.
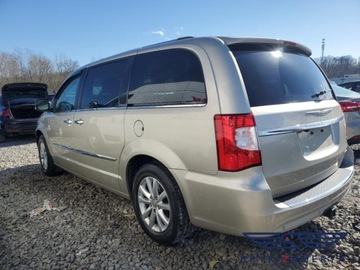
(103, 85)
(169, 77)
(280, 75)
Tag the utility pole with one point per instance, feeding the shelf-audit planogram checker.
(322, 49)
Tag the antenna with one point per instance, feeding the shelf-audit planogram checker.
(322, 49)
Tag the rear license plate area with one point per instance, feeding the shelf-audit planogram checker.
(313, 140)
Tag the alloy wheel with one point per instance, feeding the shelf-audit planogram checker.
(154, 204)
(43, 155)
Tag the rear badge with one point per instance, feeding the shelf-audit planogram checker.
(319, 112)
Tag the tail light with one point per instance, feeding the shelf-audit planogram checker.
(5, 113)
(236, 140)
(350, 106)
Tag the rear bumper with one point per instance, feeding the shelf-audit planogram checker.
(227, 204)
(27, 126)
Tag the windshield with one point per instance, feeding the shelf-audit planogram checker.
(278, 76)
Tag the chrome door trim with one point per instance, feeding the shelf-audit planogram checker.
(85, 152)
(300, 127)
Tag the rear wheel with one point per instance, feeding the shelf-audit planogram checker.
(159, 206)
(46, 161)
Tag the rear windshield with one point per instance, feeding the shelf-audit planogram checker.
(279, 75)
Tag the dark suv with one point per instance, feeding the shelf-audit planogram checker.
(17, 107)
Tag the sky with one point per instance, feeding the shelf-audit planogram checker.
(88, 30)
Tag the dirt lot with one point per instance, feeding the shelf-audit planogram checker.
(67, 223)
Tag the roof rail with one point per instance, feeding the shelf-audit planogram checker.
(186, 37)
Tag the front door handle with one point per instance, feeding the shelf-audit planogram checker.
(79, 122)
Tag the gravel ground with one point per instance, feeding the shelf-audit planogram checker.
(67, 223)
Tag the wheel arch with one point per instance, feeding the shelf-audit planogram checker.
(140, 152)
(178, 225)
(136, 162)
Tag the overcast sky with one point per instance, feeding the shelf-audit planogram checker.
(87, 30)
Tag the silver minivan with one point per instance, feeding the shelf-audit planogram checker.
(235, 135)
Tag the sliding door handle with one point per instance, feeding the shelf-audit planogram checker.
(79, 122)
(68, 121)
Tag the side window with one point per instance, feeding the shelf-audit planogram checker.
(169, 77)
(103, 85)
(356, 87)
(65, 101)
(347, 86)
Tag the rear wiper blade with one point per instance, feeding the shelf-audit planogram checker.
(318, 94)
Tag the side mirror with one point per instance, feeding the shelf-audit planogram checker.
(42, 105)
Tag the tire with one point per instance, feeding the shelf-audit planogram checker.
(47, 164)
(159, 205)
(2, 135)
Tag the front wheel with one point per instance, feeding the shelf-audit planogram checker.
(159, 205)
(46, 161)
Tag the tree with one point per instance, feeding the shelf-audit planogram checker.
(63, 67)
(11, 67)
(32, 67)
(339, 66)
(39, 68)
